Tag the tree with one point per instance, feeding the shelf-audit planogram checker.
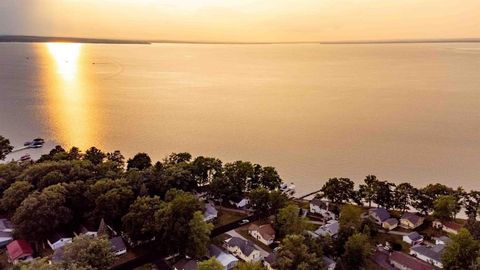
(423, 198)
(74, 153)
(14, 195)
(41, 213)
(472, 204)
(384, 194)
(5, 147)
(461, 252)
(473, 226)
(249, 266)
(204, 169)
(94, 155)
(445, 207)
(369, 189)
(295, 254)
(199, 236)
(239, 174)
(357, 251)
(176, 158)
(116, 157)
(140, 161)
(269, 178)
(114, 204)
(338, 190)
(91, 252)
(138, 223)
(210, 264)
(289, 221)
(38, 264)
(402, 196)
(350, 216)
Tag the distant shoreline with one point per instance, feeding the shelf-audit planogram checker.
(35, 39)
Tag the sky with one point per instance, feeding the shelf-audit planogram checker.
(243, 20)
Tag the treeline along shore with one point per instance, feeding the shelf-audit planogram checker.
(170, 207)
(37, 39)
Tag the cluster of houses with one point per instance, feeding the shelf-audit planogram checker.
(19, 250)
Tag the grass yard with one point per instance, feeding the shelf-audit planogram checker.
(225, 217)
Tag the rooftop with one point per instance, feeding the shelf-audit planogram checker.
(409, 261)
(18, 249)
(413, 218)
(245, 246)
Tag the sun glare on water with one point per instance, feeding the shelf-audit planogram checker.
(66, 57)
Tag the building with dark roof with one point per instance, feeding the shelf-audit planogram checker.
(118, 245)
(431, 255)
(403, 261)
(378, 215)
(413, 238)
(186, 264)
(411, 220)
(243, 249)
(59, 239)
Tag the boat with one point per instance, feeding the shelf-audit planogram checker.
(25, 158)
(36, 143)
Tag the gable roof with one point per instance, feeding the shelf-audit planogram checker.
(117, 244)
(59, 235)
(210, 210)
(381, 213)
(318, 202)
(332, 228)
(245, 246)
(5, 224)
(434, 253)
(413, 218)
(444, 239)
(18, 249)
(452, 225)
(414, 236)
(271, 258)
(186, 264)
(5, 234)
(409, 261)
(265, 230)
(391, 221)
(224, 258)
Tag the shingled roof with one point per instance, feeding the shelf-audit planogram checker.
(245, 246)
(265, 230)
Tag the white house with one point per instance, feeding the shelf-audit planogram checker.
(243, 249)
(413, 238)
(390, 224)
(442, 240)
(241, 202)
(118, 246)
(6, 225)
(59, 239)
(447, 226)
(227, 260)
(411, 220)
(317, 206)
(210, 213)
(5, 238)
(431, 255)
(378, 215)
(263, 233)
(331, 228)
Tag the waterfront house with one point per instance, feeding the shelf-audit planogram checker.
(413, 238)
(210, 213)
(263, 233)
(59, 239)
(118, 246)
(186, 264)
(269, 261)
(431, 255)
(5, 238)
(331, 228)
(403, 261)
(317, 206)
(411, 220)
(442, 240)
(243, 249)
(447, 226)
(378, 215)
(390, 224)
(240, 202)
(227, 260)
(19, 251)
(6, 225)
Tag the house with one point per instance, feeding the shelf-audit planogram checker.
(331, 228)
(317, 206)
(227, 260)
(59, 255)
(442, 240)
(240, 202)
(6, 225)
(328, 263)
(186, 264)
(5, 238)
(390, 224)
(288, 189)
(402, 261)
(411, 220)
(451, 227)
(243, 249)
(431, 255)
(378, 215)
(89, 229)
(59, 239)
(118, 246)
(413, 238)
(19, 251)
(269, 261)
(263, 233)
(210, 213)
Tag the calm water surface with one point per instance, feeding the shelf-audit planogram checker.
(405, 112)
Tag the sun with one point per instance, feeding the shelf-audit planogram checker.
(66, 57)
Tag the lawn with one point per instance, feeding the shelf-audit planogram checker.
(225, 217)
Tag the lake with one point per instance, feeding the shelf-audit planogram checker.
(405, 112)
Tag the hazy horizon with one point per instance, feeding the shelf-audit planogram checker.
(246, 21)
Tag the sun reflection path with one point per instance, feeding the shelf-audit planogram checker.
(66, 56)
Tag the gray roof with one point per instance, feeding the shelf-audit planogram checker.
(5, 224)
(444, 239)
(6, 234)
(245, 246)
(59, 235)
(117, 244)
(318, 202)
(271, 258)
(391, 221)
(414, 218)
(186, 264)
(414, 236)
(381, 213)
(226, 259)
(327, 261)
(210, 210)
(434, 253)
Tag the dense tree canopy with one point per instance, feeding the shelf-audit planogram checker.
(338, 190)
(210, 264)
(461, 252)
(5, 147)
(86, 251)
(294, 253)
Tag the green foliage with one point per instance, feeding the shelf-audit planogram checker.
(199, 236)
(210, 264)
(249, 266)
(5, 147)
(445, 207)
(294, 253)
(94, 155)
(138, 223)
(369, 189)
(86, 251)
(140, 161)
(266, 202)
(357, 251)
(350, 216)
(14, 195)
(288, 221)
(403, 195)
(338, 190)
(461, 252)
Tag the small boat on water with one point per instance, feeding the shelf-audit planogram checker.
(25, 158)
(36, 143)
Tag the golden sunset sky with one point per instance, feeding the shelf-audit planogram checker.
(243, 20)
